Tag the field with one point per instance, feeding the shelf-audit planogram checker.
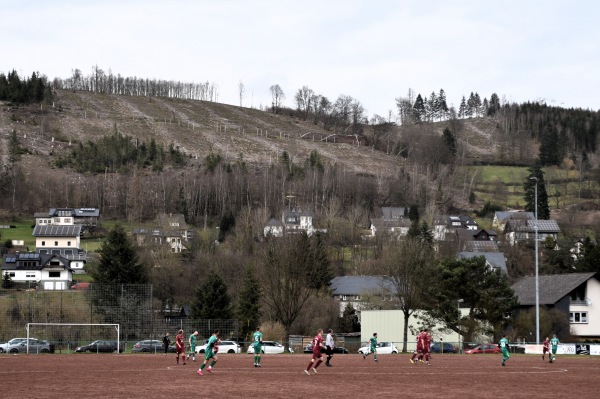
(157, 376)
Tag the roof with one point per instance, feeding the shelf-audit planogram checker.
(359, 285)
(480, 246)
(157, 232)
(552, 288)
(390, 213)
(502, 216)
(494, 259)
(34, 261)
(57, 230)
(528, 226)
(381, 224)
(274, 222)
(77, 212)
(172, 221)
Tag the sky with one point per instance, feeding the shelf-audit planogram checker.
(374, 51)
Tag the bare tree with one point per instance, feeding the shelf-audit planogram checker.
(304, 98)
(277, 96)
(407, 266)
(242, 92)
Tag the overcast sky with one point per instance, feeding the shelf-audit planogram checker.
(372, 50)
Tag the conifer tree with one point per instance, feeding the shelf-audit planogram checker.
(536, 176)
(212, 300)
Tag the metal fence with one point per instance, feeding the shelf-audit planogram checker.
(130, 306)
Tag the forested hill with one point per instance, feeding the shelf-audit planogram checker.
(137, 155)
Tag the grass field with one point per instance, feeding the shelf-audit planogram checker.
(282, 376)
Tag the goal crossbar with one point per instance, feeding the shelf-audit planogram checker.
(116, 326)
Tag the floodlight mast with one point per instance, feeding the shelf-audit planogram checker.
(537, 278)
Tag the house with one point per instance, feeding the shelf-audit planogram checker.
(273, 227)
(494, 260)
(517, 230)
(86, 217)
(449, 224)
(575, 294)
(46, 271)
(393, 221)
(62, 240)
(478, 239)
(501, 217)
(352, 290)
(171, 230)
(292, 222)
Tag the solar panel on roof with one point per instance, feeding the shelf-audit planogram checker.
(11, 259)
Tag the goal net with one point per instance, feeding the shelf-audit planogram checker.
(65, 337)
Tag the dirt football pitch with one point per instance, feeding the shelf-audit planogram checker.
(282, 376)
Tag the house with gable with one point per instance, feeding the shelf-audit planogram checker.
(353, 290)
(501, 217)
(62, 240)
(478, 240)
(170, 230)
(517, 230)
(392, 221)
(86, 217)
(577, 295)
(495, 260)
(31, 269)
(292, 222)
(449, 224)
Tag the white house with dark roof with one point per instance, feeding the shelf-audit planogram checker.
(273, 227)
(61, 240)
(45, 271)
(392, 221)
(170, 230)
(86, 217)
(352, 289)
(575, 294)
(517, 230)
(501, 217)
(450, 224)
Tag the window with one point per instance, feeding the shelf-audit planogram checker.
(343, 297)
(68, 243)
(43, 243)
(30, 275)
(54, 274)
(68, 220)
(56, 243)
(578, 317)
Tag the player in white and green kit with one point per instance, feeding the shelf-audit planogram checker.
(257, 346)
(554, 346)
(213, 341)
(504, 348)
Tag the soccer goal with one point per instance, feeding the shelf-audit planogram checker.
(71, 335)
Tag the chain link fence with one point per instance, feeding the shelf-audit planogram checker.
(129, 305)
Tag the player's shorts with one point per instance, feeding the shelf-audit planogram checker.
(257, 349)
(316, 355)
(554, 351)
(329, 351)
(180, 349)
(193, 349)
(373, 349)
(209, 354)
(545, 350)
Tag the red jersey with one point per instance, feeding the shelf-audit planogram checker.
(316, 344)
(179, 344)
(420, 341)
(546, 345)
(426, 342)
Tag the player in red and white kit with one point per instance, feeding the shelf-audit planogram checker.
(180, 346)
(317, 345)
(426, 346)
(419, 349)
(546, 349)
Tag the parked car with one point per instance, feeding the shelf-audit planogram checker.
(383, 348)
(442, 347)
(483, 348)
(337, 349)
(224, 347)
(80, 286)
(19, 345)
(151, 346)
(269, 347)
(100, 346)
(5, 345)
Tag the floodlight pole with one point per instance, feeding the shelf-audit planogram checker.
(537, 279)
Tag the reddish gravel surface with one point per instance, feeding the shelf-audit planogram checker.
(282, 376)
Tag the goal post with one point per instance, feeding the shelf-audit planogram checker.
(75, 331)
